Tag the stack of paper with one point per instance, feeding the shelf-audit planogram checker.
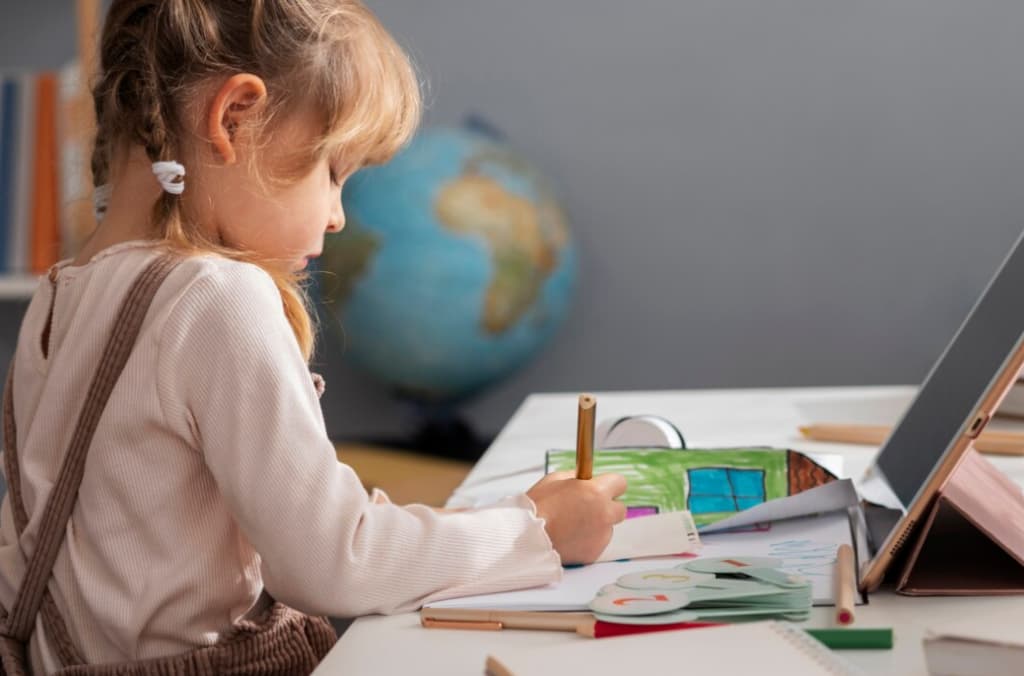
(806, 547)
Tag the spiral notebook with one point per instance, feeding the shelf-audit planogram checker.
(730, 649)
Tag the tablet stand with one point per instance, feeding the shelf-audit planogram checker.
(971, 541)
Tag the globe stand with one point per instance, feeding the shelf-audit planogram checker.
(449, 437)
(439, 431)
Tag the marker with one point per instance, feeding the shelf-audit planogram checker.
(854, 639)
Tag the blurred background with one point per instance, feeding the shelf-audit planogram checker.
(756, 194)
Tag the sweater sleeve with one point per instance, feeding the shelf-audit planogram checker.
(231, 367)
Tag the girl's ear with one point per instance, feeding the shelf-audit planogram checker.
(238, 99)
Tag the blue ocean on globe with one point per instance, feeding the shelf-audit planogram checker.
(455, 266)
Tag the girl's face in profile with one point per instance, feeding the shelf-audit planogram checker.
(282, 221)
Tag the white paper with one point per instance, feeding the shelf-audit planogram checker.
(655, 535)
(833, 462)
(874, 488)
(806, 547)
(574, 592)
(835, 495)
(995, 627)
(746, 648)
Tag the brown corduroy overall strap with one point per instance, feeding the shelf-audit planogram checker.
(282, 641)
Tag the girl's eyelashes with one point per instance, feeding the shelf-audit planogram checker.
(339, 172)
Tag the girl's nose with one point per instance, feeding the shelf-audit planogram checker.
(337, 221)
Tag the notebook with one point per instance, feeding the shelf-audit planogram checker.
(730, 649)
(983, 645)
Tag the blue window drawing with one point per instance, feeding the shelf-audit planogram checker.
(722, 489)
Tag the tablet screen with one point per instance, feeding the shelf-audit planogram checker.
(959, 380)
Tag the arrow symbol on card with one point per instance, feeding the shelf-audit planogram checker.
(624, 601)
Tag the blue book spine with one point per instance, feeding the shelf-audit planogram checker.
(8, 161)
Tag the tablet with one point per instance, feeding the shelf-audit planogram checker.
(956, 400)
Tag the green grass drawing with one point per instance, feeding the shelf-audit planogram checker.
(657, 476)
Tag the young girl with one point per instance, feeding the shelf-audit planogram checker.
(225, 132)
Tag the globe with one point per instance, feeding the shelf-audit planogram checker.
(456, 266)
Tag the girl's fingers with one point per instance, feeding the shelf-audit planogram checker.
(560, 476)
(618, 512)
(612, 485)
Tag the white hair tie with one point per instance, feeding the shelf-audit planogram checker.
(100, 200)
(171, 176)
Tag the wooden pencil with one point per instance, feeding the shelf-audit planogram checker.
(845, 583)
(585, 436)
(990, 441)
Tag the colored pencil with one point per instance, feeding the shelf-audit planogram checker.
(585, 436)
(845, 583)
(991, 441)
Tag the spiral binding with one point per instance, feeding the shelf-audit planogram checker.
(811, 647)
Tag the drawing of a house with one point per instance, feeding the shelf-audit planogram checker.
(711, 484)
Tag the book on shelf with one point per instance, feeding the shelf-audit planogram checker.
(76, 129)
(9, 105)
(24, 153)
(45, 187)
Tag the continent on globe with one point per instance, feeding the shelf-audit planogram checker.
(348, 263)
(523, 251)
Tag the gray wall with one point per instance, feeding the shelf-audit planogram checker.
(764, 193)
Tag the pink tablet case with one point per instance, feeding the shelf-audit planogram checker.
(972, 540)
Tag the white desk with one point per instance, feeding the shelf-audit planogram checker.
(707, 418)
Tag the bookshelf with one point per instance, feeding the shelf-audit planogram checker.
(44, 178)
(17, 287)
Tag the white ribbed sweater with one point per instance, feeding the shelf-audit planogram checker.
(211, 475)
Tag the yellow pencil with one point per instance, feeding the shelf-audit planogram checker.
(585, 436)
(845, 584)
(989, 441)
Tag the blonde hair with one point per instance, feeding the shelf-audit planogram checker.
(156, 55)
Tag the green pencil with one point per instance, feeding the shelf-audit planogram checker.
(854, 639)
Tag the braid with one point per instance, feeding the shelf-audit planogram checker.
(151, 131)
(155, 137)
(100, 161)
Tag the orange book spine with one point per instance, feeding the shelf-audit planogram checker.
(45, 239)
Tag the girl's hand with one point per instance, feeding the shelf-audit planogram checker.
(579, 515)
